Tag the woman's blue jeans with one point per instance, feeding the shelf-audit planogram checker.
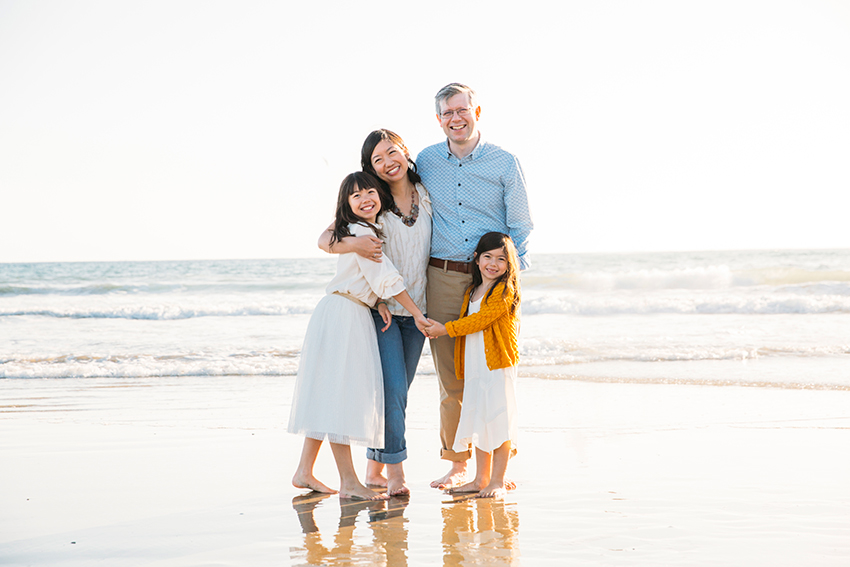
(400, 347)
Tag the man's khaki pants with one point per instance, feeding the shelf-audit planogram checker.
(445, 296)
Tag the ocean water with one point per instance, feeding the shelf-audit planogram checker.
(756, 318)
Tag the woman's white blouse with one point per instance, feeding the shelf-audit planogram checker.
(409, 248)
(364, 279)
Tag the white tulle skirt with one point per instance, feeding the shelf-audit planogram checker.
(339, 391)
(488, 416)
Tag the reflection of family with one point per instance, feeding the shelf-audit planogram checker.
(459, 245)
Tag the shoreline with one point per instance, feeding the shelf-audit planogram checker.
(195, 471)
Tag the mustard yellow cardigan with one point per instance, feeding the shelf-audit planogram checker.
(500, 331)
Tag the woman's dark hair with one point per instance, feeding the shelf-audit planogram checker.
(372, 140)
(344, 215)
(493, 241)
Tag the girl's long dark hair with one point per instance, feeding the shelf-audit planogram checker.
(493, 241)
(372, 140)
(344, 215)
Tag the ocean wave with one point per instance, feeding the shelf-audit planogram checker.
(107, 288)
(272, 363)
(686, 304)
(162, 312)
(711, 277)
(534, 353)
(547, 352)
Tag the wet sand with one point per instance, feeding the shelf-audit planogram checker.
(195, 471)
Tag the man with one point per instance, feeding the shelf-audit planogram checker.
(476, 187)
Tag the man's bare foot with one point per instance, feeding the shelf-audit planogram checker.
(362, 493)
(493, 490)
(310, 482)
(468, 488)
(455, 476)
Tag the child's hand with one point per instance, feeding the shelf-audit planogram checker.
(385, 314)
(435, 329)
(421, 322)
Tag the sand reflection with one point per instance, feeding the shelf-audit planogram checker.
(480, 531)
(386, 547)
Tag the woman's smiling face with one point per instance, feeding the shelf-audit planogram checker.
(389, 161)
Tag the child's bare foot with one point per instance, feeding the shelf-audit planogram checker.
(455, 476)
(494, 490)
(468, 488)
(362, 493)
(310, 482)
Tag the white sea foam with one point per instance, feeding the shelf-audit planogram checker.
(614, 312)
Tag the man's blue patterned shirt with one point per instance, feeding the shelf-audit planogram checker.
(483, 192)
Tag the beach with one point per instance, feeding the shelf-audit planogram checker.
(195, 471)
(675, 408)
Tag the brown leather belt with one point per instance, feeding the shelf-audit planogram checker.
(462, 267)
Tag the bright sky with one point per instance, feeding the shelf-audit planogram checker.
(155, 130)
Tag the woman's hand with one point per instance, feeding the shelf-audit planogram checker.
(367, 246)
(434, 329)
(421, 323)
(385, 314)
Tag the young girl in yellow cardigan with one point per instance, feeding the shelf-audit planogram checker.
(486, 355)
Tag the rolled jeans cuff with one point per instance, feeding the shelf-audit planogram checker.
(386, 458)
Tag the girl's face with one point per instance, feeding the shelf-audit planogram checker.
(389, 161)
(493, 264)
(365, 203)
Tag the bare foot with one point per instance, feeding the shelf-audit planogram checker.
(362, 493)
(377, 481)
(396, 484)
(469, 487)
(397, 487)
(510, 485)
(456, 475)
(310, 482)
(493, 490)
(375, 474)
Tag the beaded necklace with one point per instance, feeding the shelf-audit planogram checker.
(408, 220)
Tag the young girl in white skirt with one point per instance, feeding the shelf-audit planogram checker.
(486, 355)
(339, 389)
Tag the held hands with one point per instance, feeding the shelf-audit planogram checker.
(434, 329)
(421, 323)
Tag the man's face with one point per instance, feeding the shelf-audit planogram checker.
(460, 126)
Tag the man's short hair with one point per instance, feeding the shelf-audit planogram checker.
(453, 89)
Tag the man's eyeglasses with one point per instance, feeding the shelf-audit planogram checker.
(461, 113)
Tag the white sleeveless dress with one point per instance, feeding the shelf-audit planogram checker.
(488, 416)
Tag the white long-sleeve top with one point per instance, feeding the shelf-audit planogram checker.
(409, 248)
(362, 278)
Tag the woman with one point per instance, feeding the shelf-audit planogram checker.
(406, 222)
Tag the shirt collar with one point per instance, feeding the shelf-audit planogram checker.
(476, 151)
